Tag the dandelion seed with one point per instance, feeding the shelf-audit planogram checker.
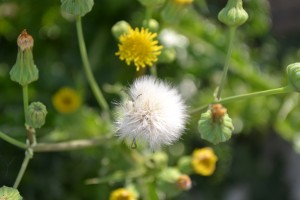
(139, 47)
(155, 113)
(66, 100)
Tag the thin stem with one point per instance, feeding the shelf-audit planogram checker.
(28, 156)
(148, 16)
(70, 145)
(227, 61)
(246, 96)
(13, 141)
(87, 68)
(25, 101)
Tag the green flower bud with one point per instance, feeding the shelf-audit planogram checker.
(152, 3)
(24, 71)
(157, 160)
(293, 72)
(120, 28)
(167, 181)
(215, 125)
(184, 165)
(233, 14)
(152, 25)
(167, 55)
(174, 9)
(77, 7)
(7, 193)
(36, 115)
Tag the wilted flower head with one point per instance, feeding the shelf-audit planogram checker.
(154, 113)
(139, 47)
(121, 194)
(204, 161)
(184, 182)
(66, 100)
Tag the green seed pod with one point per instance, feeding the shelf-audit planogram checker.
(36, 115)
(215, 125)
(293, 72)
(152, 3)
(7, 193)
(157, 160)
(152, 25)
(233, 13)
(24, 71)
(77, 7)
(120, 28)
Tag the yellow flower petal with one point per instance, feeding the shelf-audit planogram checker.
(204, 161)
(66, 100)
(139, 47)
(121, 194)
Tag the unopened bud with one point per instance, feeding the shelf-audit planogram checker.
(167, 55)
(293, 72)
(233, 14)
(184, 182)
(152, 25)
(24, 71)
(215, 125)
(77, 7)
(36, 115)
(120, 28)
(174, 9)
(7, 193)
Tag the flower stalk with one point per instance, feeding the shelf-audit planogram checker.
(87, 68)
(28, 156)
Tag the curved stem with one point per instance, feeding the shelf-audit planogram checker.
(28, 156)
(246, 96)
(12, 141)
(227, 61)
(25, 101)
(70, 145)
(87, 68)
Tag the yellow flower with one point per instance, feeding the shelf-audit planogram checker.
(139, 47)
(204, 161)
(66, 100)
(183, 2)
(121, 194)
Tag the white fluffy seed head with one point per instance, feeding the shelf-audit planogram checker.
(154, 113)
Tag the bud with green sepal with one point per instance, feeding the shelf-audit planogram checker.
(152, 3)
(184, 164)
(293, 72)
(167, 55)
(215, 125)
(233, 14)
(77, 7)
(36, 115)
(24, 71)
(152, 25)
(120, 28)
(7, 193)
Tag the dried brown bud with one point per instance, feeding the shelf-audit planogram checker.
(25, 41)
(218, 111)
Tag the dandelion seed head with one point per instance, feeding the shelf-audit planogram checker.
(154, 113)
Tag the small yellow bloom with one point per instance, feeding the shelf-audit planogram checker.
(139, 47)
(121, 194)
(66, 100)
(183, 2)
(204, 161)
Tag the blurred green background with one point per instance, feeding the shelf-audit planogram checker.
(259, 162)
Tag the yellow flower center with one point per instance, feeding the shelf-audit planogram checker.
(66, 100)
(139, 47)
(121, 194)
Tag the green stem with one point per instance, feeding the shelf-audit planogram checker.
(28, 156)
(25, 101)
(227, 61)
(246, 96)
(153, 70)
(148, 16)
(87, 68)
(12, 141)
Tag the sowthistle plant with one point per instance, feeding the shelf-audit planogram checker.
(152, 112)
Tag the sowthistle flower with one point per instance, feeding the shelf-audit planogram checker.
(66, 100)
(121, 194)
(204, 161)
(139, 47)
(154, 113)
